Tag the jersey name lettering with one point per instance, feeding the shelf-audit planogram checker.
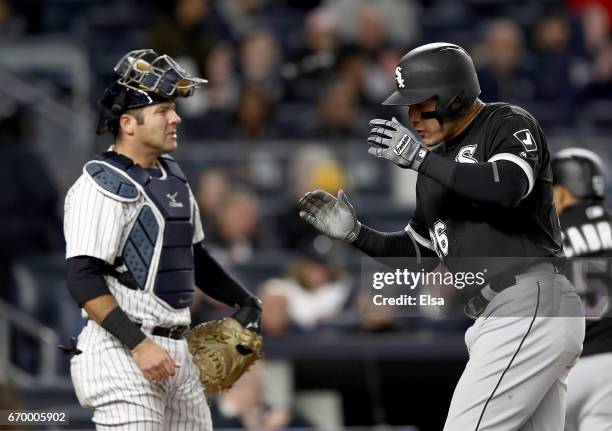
(589, 238)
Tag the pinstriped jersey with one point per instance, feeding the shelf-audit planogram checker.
(97, 224)
(454, 226)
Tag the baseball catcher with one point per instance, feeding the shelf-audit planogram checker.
(135, 254)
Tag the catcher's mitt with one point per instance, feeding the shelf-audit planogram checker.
(223, 350)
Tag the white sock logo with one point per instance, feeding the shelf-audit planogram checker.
(398, 77)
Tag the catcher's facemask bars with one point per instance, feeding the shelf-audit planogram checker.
(145, 70)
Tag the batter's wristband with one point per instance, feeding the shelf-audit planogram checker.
(370, 241)
(122, 328)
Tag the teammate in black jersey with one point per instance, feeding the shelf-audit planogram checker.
(587, 235)
(484, 189)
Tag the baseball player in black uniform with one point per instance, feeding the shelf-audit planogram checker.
(134, 250)
(587, 235)
(484, 189)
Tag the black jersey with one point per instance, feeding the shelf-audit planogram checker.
(455, 226)
(587, 232)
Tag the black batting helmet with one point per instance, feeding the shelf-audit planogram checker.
(437, 70)
(581, 171)
(143, 78)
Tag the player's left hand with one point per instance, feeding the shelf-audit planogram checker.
(393, 141)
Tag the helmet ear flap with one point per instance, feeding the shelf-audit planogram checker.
(454, 107)
(119, 103)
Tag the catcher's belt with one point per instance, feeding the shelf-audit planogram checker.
(174, 332)
(223, 350)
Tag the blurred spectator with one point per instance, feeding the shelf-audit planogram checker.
(209, 112)
(237, 222)
(338, 115)
(188, 30)
(260, 59)
(320, 31)
(312, 168)
(351, 68)
(396, 21)
(204, 308)
(213, 187)
(379, 79)
(243, 406)
(315, 61)
(371, 33)
(578, 5)
(312, 292)
(371, 318)
(254, 115)
(12, 24)
(223, 85)
(507, 74)
(243, 16)
(600, 86)
(554, 63)
(595, 20)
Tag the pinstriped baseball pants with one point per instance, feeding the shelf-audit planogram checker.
(107, 380)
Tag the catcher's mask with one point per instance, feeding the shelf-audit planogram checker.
(143, 78)
(442, 71)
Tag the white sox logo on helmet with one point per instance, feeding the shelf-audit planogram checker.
(398, 77)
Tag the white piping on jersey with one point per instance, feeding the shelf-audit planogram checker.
(164, 175)
(521, 163)
(418, 238)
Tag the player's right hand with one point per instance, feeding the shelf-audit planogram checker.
(154, 361)
(335, 217)
(401, 144)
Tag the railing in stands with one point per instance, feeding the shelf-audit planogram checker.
(47, 372)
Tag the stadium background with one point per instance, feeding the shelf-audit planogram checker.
(293, 84)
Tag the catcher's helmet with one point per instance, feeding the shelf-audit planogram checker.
(143, 78)
(581, 171)
(440, 70)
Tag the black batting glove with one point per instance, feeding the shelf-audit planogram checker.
(393, 141)
(249, 314)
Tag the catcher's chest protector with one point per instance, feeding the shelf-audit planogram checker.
(157, 251)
